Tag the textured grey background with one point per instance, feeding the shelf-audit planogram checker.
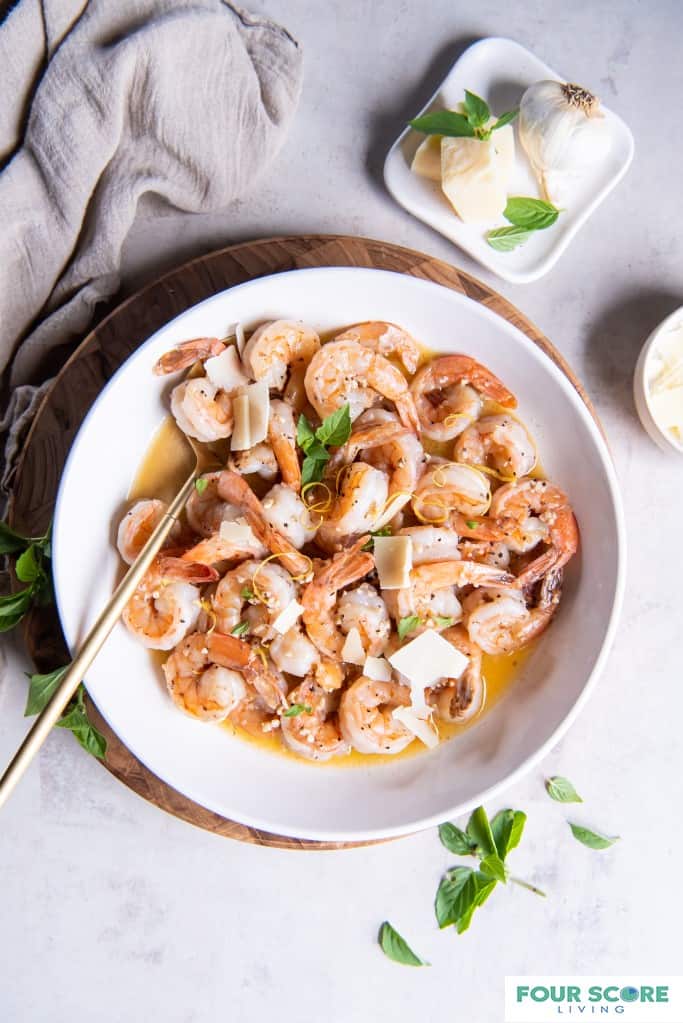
(112, 910)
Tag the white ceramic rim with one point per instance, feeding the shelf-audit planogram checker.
(421, 823)
(641, 389)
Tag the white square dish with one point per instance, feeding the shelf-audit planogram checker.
(500, 70)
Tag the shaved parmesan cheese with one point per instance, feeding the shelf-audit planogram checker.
(259, 411)
(237, 531)
(427, 159)
(422, 727)
(225, 370)
(393, 560)
(391, 508)
(288, 617)
(377, 668)
(352, 651)
(667, 407)
(424, 660)
(241, 437)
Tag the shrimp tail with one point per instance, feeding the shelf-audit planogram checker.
(186, 354)
(179, 568)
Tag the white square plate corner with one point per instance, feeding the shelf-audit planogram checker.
(500, 70)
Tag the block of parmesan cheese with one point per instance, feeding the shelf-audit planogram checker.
(393, 560)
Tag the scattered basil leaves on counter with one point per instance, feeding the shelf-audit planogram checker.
(591, 838)
(561, 790)
(407, 624)
(456, 840)
(334, 431)
(296, 709)
(76, 720)
(240, 629)
(397, 948)
(526, 215)
(472, 123)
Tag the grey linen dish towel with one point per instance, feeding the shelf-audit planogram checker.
(183, 102)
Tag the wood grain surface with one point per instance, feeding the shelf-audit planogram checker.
(100, 355)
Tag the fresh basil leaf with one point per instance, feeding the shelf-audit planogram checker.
(28, 567)
(336, 428)
(40, 690)
(505, 239)
(494, 867)
(296, 709)
(561, 790)
(395, 947)
(501, 829)
(240, 629)
(8, 622)
(15, 603)
(505, 118)
(479, 830)
(471, 523)
(443, 622)
(456, 841)
(76, 721)
(200, 485)
(518, 822)
(247, 593)
(484, 890)
(477, 110)
(305, 434)
(459, 893)
(406, 625)
(531, 214)
(10, 541)
(443, 122)
(591, 838)
(384, 531)
(313, 467)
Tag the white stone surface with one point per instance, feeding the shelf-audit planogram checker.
(112, 910)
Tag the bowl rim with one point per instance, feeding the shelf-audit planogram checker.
(422, 822)
(642, 390)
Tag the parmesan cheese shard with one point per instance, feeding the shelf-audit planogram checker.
(237, 531)
(427, 159)
(424, 660)
(393, 560)
(225, 370)
(475, 174)
(377, 668)
(240, 431)
(352, 651)
(259, 411)
(288, 617)
(422, 727)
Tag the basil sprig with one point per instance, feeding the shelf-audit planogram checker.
(32, 555)
(464, 889)
(75, 717)
(472, 123)
(334, 431)
(526, 215)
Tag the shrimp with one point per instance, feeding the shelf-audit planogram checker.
(431, 594)
(282, 437)
(201, 677)
(293, 652)
(361, 500)
(343, 372)
(277, 347)
(314, 732)
(487, 551)
(138, 524)
(522, 501)
(258, 460)
(165, 605)
(286, 512)
(205, 509)
(459, 699)
(366, 720)
(235, 489)
(499, 442)
(499, 621)
(273, 589)
(432, 543)
(363, 609)
(184, 355)
(450, 487)
(202, 410)
(386, 339)
(319, 597)
(447, 394)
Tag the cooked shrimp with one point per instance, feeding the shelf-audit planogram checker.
(282, 437)
(205, 509)
(138, 524)
(295, 391)
(293, 652)
(386, 339)
(499, 442)
(432, 591)
(202, 410)
(366, 720)
(319, 597)
(286, 512)
(313, 733)
(235, 489)
(201, 677)
(344, 372)
(487, 551)
(459, 699)
(165, 606)
(258, 460)
(447, 394)
(273, 589)
(499, 621)
(450, 487)
(432, 543)
(361, 500)
(530, 498)
(184, 355)
(363, 609)
(278, 347)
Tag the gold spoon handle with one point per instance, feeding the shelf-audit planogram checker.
(92, 645)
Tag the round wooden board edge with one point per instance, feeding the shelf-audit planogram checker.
(324, 250)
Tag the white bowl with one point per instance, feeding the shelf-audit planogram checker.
(641, 390)
(500, 70)
(278, 794)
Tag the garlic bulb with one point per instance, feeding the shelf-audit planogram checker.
(564, 133)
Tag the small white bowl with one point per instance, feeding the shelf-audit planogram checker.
(641, 389)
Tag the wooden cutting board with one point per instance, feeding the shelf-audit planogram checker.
(100, 355)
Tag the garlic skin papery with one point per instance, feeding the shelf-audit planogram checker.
(564, 133)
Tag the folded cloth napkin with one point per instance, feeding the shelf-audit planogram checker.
(184, 101)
